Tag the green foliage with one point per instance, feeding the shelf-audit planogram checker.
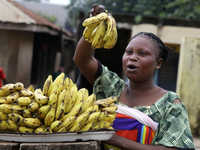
(52, 18)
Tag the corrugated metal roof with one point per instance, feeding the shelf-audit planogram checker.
(10, 13)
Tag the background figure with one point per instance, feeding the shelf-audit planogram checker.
(55, 74)
(2, 77)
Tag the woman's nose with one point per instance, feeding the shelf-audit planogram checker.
(133, 57)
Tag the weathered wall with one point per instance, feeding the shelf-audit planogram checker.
(20, 44)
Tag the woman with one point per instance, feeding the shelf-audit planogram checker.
(142, 57)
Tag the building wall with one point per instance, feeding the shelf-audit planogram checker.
(20, 44)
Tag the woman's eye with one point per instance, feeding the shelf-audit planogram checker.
(142, 53)
(129, 52)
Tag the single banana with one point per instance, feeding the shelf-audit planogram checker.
(74, 111)
(110, 109)
(18, 109)
(53, 100)
(26, 93)
(49, 118)
(26, 129)
(55, 126)
(39, 97)
(54, 89)
(18, 119)
(47, 85)
(33, 107)
(23, 101)
(71, 99)
(6, 108)
(12, 125)
(3, 116)
(95, 19)
(3, 100)
(31, 88)
(26, 113)
(68, 121)
(68, 83)
(110, 118)
(89, 29)
(106, 102)
(7, 89)
(42, 111)
(62, 97)
(12, 97)
(111, 24)
(87, 102)
(93, 117)
(3, 125)
(63, 129)
(103, 115)
(87, 127)
(98, 39)
(76, 127)
(48, 130)
(59, 78)
(81, 118)
(60, 86)
(90, 39)
(40, 129)
(19, 86)
(32, 122)
(89, 110)
(110, 43)
(96, 108)
(107, 124)
(60, 111)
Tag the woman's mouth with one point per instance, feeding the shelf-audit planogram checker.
(131, 67)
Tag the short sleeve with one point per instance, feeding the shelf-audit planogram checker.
(174, 128)
(108, 84)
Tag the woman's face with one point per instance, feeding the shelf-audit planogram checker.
(139, 59)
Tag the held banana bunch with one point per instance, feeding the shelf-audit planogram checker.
(100, 31)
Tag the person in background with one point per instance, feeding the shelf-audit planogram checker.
(144, 54)
(2, 77)
(55, 74)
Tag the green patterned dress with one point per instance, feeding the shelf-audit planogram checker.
(174, 128)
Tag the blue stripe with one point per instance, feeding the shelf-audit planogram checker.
(126, 124)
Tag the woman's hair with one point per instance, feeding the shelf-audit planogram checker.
(164, 51)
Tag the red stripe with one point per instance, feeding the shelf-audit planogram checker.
(123, 116)
(147, 135)
(129, 134)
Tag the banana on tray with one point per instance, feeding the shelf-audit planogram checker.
(58, 106)
(100, 31)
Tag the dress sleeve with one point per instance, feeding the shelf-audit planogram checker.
(174, 128)
(108, 84)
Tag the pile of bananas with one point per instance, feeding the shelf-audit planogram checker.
(100, 31)
(58, 107)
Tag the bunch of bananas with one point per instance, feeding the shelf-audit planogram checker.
(58, 107)
(100, 31)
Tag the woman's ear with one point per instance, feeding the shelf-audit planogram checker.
(159, 63)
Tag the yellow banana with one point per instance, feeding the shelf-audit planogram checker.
(110, 109)
(111, 24)
(89, 110)
(19, 86)
(55, 126)
(68, 83)
(3, 125)
(26, 129)
(60, 86)
(23, 101)
(68, 121)
(74, 111)
(89, 29)
(6, 108)
(99, 126)
(3, 116)
(18, 109)
(60, 111)
(81, 118)
(95, 19)
(18, 119)
(39, 97)
(96, 108)
(12, 125)
(12, 97)
(26, 113)
(33, 107)
(7, 89)
(42, 111)
(110, 118)
(87, 127)
(48, 130)
(54, 89)
(32, 122)
(72, 98)
(103, 115)
(106, 102)
(62, 97)
(40, 129)
(90, 39)
(47, 85)
(3, 100)
(63, 129)
(26, 93)
(93, 117)
(59, 79)
(98, 39)
(49, 118)
(110, 43)
(53, 99)
(31, 88)
(107, 124)
(76, 127)
(87, 102)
